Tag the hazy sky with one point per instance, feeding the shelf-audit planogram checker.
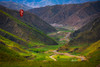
(41, 3)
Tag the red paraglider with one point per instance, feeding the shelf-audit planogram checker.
(21, 12)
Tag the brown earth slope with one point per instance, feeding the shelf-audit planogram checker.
(68, 14)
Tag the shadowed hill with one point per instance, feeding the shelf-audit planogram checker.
(31, 20)
(87, 34)
(8, 55)
(84, 38)
(28, 33)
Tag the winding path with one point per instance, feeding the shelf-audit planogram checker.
(67, 54)
(67, 35)
(53, 57)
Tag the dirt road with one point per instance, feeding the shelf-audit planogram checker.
(53, 57)
(67, 54)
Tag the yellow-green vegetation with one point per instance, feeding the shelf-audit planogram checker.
(93, 52)
(61, 36)
(36, 53)
(9, 55)
(10, 44)
(43, 52)
(92, 48)
(63, 58)
(48, 64)
(13, 37)
(33, 52)
(5, 32)
(76, 50)
(44, 48)
(31, 33)
(42, 57)
(38, 57)
(14, 46)
(72, 49)
(24, 51)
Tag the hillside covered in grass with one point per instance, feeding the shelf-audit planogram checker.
(17, 37)
(87, 34)
(29, 41)
(82, 38)
(8, 55)
(22, 30)
(85, 42)
(30, 19)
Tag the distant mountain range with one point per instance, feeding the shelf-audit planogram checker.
(62, 14)
(69, 14)
(13, 5)
(80, 1)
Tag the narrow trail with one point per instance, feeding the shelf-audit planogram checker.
(66, 37)
(53, 58)
(67, 54)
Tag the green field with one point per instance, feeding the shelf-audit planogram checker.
(37, 54)
(48, 64)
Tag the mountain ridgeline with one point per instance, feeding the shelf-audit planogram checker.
(63, 14)
(31, 20)
(14, 6)
(11, 27)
